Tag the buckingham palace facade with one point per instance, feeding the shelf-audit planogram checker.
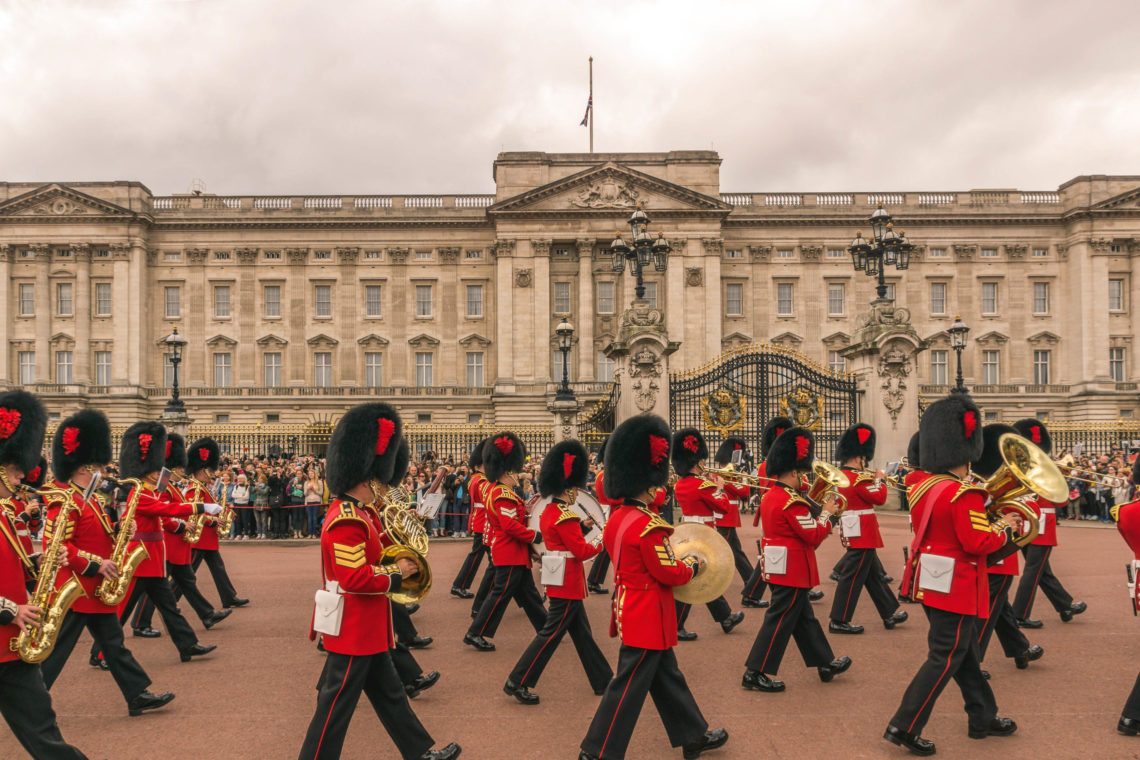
(297, 307)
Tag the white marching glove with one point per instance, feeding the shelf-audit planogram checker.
(212, 509)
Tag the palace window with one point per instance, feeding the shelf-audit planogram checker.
(322, 295)
(222, 366)
(1116, 364)
(1041, 367)
(988, 253)
(561, 298)
(1040, 298)
(273, 300)
(784, 253)
(605, 368)
(172, 296)
(102, 299)
(836, 253)
(167, 371)
(63, 367)
(423, 255)
(27, 362)
(1116, 294)
(734, 299)
(836, 361)
(835, 293)
(64, 304)
(991, 367)
(734, 253)
(423, 418)
(273, 255)
(222, 255)
(474, 369)
(27, 299)
(272, 362)
(322, 369)
(561, 252)
(651, 294)
(372, 300)
(423, 369)
(937, 253)
(222, 419)
(475, 300)
(557, 370)
(171, 255)
(784, 299)
(373, 369)
(322, 255)
(272, 418)
(937, 298)
(938, 361)
(1040, 253)
(474, 418)
(890, 291)
(605, 297)
(473, 253)
(221, 301)
(989, 298)
(102, 367)
(374, 255)
(423, 300)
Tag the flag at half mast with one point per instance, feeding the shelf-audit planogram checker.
(589, 107)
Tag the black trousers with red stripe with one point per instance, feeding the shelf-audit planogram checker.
(789, 615)
(755, 585)
(564, 616)
(485, 585)
(26, 707)
(599, 570)
(158, 591)
(470, 566)
(859, 572)
(511, 582)
(1001, 620)
(183, 583)
(338, 691)
(719, 608)
(642, 672)
(952, 655)
(1037, 572)
(743, 566)
(1132, 706)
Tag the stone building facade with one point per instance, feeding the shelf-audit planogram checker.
(296, 307)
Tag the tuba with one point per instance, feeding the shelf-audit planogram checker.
(828, 480)
(1026, 470)
(36, 643)
(112, 592)
(409, 541)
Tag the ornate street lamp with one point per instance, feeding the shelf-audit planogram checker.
(885, 248)
(643, 251)
(175, 343)
(565, 334)
(958, 332)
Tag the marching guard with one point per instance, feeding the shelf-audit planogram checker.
(480, 546)
(738, 496)
(859, 529)
(203, 457)
(794, 526)
(563, 472)
(1128, 523)
(354, 607)
(80, 450)
(642, 610)
(701, 501)
(25, 509)
(595, 581)
(947, 570)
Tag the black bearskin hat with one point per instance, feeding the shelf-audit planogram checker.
(951, 434)
(1036, 432)
(990, 460)
(363, 447)
(400, 466)
(564, 467)
(727, 447)
(639, 457)
(794, 449)
(913, 455)
(476, 459)
(142, 450)
(503, 452)
(772, 430)
(203, 454)
(83, 438)
(856, 441)
(36, 478)
(23, 421)
(175, 451)
(689, 448)
(602, 451)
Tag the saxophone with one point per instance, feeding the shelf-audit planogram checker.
(36, 642)
(195, 524)
(112, 592)
(226, 518)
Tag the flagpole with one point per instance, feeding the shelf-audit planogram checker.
(591, 104)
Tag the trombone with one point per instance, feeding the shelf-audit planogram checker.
(739, 477)
(1089, 476)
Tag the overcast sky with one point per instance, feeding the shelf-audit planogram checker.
(293, 96)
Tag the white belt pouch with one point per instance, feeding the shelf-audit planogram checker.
(936, 573)
(776, 560)
(329, 609)
(553, 568)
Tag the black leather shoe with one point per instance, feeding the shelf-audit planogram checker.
(422, 683)
(834, 576)
(196, 651)
(1075, 608)
(888, 579)
(913, 742)
(450, 752)
(456, 591)
(985, 674)
(754, 603)
(419, 642)
(601, 691)
(711, 740)
(755, 681)
(997, 727)
(898, 616)
(146, 633)
(815, 596)
(596, 589)
(478, 642)
(1027, 623)
(521, 693)
(216, 617)
(834, 668)
(1029, 655)
(147, 701)
(584, 755)
(731, 621)
(238, 603)
(1127, 726)
(838, 626)
(98, 662)
(413, 608)
(683, 635)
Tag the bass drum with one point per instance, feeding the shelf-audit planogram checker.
(586, 507)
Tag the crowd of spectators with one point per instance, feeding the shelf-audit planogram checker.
(1110, 475)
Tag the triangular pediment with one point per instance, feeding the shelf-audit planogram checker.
(735, 339)
(60, 201)
(1127, 199)
(221, 341)
(269, 339)
(423, 340)
(837, 340)
(993, 338)
(607, 189)
(475, 339)
(320, 340)
(372, 340)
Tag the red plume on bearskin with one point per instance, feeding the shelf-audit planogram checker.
(142, 450)
(83, 438)
(352, 456)
(1036, 431)
(689, 448)
(793, 450)
(385, 430)
(505, 453)
(568, 464)
(70, 440)
(9, 421)
(36, 478)
(207, 455)
(168, 445)
(176, 451)
(144, 445)
(504, 445)
(969, 424)
(947, 434)
(637, 457)
(564, 467)
(659, 448)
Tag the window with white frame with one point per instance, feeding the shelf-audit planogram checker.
(222, 419)
(423, 369)
(1041, 367)
(606, 297)
(651, 294)
(561, 251)
(937, 253)
(172, 297)
(27, 362)
(272, 300)
(989, 416)
(1116, 294)
(734, 299)
(102, 299)
(222, 256)
(322, 300)
(167, 371)
(65, 305)
(322, 369)
(784, 253)
(785, 292)
(836, 253)
(835, 299)
(63, 367)
(374, 255)
(1040, 298)
(272, 363)
(273, 255)
(221, 301)
(890, 291)
(222, 367)
(1040, 253)
(1115, 248)
(734, 253)
(373, 369)
(322, 255)
(473, 253)
(937, 298)
(989, 298)
(423, 300)
(474, 369)
(836, 361)
(423, 255)
(938, 364)
(475, 300)
(1116, 364)
(27, 293)
(558, 367)
(102, 367)
(561, 298)
(474, 418)
(68, 253)
(605, 368)
(988, 253)
(372, 300)
(991, 367)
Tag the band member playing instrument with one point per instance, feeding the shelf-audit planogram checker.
(142, 455)
(1037, 569)
(794, 526)
(178, 559)
(642, 613)
(80, 450)
(738, 495)
(24, 700)
(356, 621)
(595, 581)
(503, 458)
(25, 509)
(1001, 618)
(701, 501)
(859, 528)
(1128, 523)
(563, 472)
(947, 568)
(203, 458)
(476, 484)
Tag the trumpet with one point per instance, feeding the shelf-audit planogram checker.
(1026, 470)
(1089, 476)
(893, 481)
(828, 480)
(739, 477)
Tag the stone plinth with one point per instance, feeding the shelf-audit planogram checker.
(176, 422)
(565, 417)
(640, 355)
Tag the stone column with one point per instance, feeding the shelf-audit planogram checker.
(45, 312)
(348, 305)
(12, 297)
(585, 326)
(640, 356)
(81, 371)
(243, 362)
(505, 350)
(403, 303)
(294, 310)
(200, 303)
(713, 254)
(452, 359)
(538, 332)
(121, 316)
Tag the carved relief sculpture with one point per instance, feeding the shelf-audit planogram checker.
(523, 278)
(693, 277)
(894, 369)
(607, 192)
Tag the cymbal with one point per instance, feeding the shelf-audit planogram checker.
(704, 542)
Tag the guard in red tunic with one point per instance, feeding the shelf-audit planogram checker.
(794, 526)
(913, 478)
(562, 473)
(755, 585)
(80, 450)
(1128, 523)
(142, 455)
(1037, 569)
(701, 501)
(25, 509)
(645, 572)
(476, 485)
(353, 611)
(859, 528)
(1001, 618)
(203, 458)
(503, 459)
(948, 571)
(600, 569)
(738, 496)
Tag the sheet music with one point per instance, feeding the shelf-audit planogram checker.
(430, 505)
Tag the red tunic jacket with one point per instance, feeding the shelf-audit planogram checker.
(15, 571)
(1047, 521)
(762, 473)
(1129, 526)
(475, 487)
(196, 492)
(23, 525)
(89, 538)
(862, 498)
(737, 497)
(913, 479)
(350, 555)
(699, 501)
(148, 529)
(600, 492)
(512, 536)
(174, 529)
(787, 522)
(643, 612)
(562, 532)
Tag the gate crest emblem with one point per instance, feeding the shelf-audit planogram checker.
(723, 411)
(803, 407)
